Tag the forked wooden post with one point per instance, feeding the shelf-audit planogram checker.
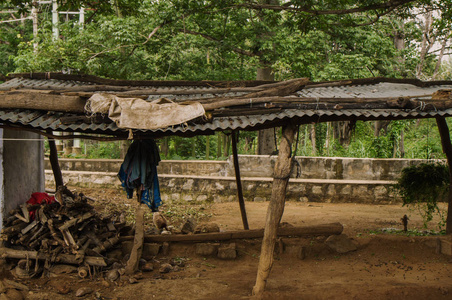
(283, 168)
(447, 149)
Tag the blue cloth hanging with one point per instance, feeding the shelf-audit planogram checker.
(139, 171)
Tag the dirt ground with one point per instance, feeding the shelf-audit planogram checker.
(385, 265)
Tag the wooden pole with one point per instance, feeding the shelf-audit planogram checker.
(283, 168)
(239, 181)
(447, 149)
(54, 163)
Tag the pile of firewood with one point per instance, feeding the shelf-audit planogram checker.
(66, 231)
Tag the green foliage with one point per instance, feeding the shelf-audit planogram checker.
(423, 186)
(109, 150)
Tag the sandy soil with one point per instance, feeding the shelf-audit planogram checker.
(385, 266)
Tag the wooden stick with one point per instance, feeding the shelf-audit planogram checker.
(283, 168)
(61, 258)
(239, 181)
(137, 249)
(447, 149)
(305, 231)
(53, 158)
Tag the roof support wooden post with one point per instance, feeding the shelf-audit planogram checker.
(238, 181)
(54, 163)
(283, 168)
(447, 149)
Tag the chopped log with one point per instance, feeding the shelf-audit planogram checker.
(80, 255)
(74, 221)
(283, 168)
(20, 217)
(25, 211)
(18, 99)
(69, 239)
(29, 227)
(305, 231)
(60, 258)
(14, 229)
(54, 233)
(107, 244)
(137, 249)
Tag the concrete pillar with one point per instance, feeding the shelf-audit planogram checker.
(22, 168)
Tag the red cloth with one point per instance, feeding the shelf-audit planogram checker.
(39, 198)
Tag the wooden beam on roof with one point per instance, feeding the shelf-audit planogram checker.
(39, 101)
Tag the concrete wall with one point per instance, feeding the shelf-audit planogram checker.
(323, 179)
(340, 168)
(22, 160)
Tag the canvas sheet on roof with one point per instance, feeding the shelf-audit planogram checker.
(137, 113)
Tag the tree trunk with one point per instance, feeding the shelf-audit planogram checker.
(447, 149)
(193, 147)
(123, 148)
(313, 140)
(207, 147)
(402, 144)
(427, 42)
(283, 168)
(440, 56)
(266, 137)
(219, 139)
(379, 126)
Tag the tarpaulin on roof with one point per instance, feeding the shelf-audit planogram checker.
(137, 113)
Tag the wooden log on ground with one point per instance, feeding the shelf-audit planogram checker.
(283, 168)
(305, 231)
(39, 101)
(60, 258)
(137, 249)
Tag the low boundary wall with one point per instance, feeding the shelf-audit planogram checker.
(323, 179)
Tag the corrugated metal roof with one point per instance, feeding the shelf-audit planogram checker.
(382, 89)
(44, 120)
(52, 120)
